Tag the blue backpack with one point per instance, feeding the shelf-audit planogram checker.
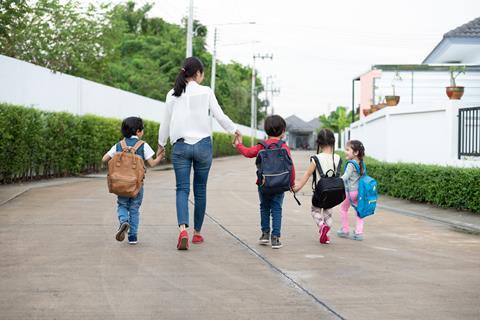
(367, 192)
(274, 168)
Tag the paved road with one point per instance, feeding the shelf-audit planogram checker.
(59, 259)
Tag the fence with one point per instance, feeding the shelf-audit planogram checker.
(415, 134)
(469, 132)
(26, 84)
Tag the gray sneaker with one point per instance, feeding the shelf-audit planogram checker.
(276, 244)
(343, 234)
(120, 235)
(265, 238)
(357, 236)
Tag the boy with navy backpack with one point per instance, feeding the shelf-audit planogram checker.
(361, 190)
(275, 175)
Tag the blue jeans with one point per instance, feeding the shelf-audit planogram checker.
(271, 204)
(129, 211)
(183, 157)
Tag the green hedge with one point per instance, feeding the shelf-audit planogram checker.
(449, 187)
(37, 144)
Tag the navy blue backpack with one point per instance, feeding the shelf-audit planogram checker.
(274, 168)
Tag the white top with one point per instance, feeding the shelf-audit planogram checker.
(326, 161)
(187, 116)
(147, 150)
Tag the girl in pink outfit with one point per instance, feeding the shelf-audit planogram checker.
(354, 151)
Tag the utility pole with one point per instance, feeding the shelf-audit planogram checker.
(189, 30)
(214, 61)
(274, 91)
(253, 105)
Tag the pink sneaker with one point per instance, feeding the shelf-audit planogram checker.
(323, 234)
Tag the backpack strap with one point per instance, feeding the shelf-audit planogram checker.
(137, 145)
(279, 143)
(123, 145)
(262, 143)
(295, 197)
(319, 168)
(339, 168)
(355, 164)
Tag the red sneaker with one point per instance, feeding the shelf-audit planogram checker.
(323, 234)
(197, 239)
(182, 240)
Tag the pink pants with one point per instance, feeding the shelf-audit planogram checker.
(345, 205)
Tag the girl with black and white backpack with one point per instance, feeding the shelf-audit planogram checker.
(329, 189)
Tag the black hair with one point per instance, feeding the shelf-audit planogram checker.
(357, 146)
(325, 138)
(131, 125)
(275, 126)
(190, 67)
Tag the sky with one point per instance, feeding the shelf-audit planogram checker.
(318, 47)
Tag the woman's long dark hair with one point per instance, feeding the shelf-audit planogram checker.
(190, 67)
(357, 146)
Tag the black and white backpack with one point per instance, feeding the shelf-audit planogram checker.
(329, 190)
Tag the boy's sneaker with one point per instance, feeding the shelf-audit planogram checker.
(132, 239)
(276, 244)
(343, 234)
(323, 234)
(182, 243)
(120, 236)
(265, 238)
(357, 236)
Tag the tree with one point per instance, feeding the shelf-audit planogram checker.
(337, 121)
(59, 36)
(120, 46)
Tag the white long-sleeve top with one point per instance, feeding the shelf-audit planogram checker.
(187, 116)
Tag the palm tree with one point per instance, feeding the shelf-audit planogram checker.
(337, 121)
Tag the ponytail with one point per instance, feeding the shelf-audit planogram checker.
(190, 68)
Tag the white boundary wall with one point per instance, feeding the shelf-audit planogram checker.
(412, 134)
(26, 84)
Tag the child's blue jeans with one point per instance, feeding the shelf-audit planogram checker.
(129, 211)
(271, 204)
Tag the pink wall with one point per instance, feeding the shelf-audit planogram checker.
(366, 89)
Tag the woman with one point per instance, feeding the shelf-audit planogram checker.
(188, 125)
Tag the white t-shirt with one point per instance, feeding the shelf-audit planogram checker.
(147, 150)
(187, 116)
(326, 161)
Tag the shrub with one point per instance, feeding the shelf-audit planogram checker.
(449, 187)
(37, 144)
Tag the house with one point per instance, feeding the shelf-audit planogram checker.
(425, 126)
(302, 134)
(460, 45)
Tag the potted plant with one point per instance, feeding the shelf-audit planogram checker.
(393, 100)
(455, 92)
(366, 112)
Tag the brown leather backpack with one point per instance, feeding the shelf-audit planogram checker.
(126, 171)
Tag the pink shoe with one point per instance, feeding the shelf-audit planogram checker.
(323, 234)
(182, 243)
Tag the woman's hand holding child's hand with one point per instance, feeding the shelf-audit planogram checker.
(238, 138)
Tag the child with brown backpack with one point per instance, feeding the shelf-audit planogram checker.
(126, 172)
